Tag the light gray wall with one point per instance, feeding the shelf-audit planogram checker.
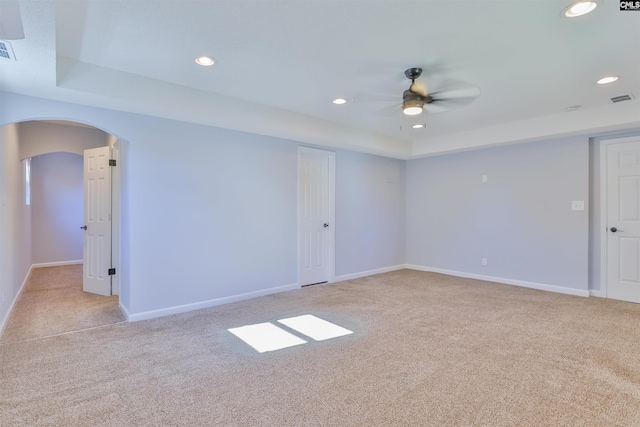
(38, 138)
(15, 222)
(57, 207)
(520, 219)
(212, 213)
(370, 223)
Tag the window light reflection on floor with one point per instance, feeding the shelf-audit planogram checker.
(267, 336)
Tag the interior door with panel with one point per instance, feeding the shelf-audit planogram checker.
(97, 221)
(623, 220)
(316, 237)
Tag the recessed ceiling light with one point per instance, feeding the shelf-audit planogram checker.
(572, 108)
(205, 61)
(579, 8)
(605, 80)
(418, 126)
(339, 101)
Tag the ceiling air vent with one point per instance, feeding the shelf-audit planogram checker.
(6, 52)
(622, 98)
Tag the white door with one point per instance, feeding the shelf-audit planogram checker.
(623, 220)
(97, 217)
(316, 177)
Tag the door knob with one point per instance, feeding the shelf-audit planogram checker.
(326, 224)
(83, 228)
(614, 229)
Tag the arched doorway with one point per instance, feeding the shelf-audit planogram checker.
(17, 257)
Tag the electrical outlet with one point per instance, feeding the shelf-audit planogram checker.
(484, 178)
(577, 205)
(484, 261)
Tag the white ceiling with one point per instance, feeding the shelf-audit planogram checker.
(280, 63)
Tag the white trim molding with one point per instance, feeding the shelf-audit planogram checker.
(56, 264)
(152, 314)
(124, 310)
(344, 277)
(521, 283)
(596, 293)
(15, 301)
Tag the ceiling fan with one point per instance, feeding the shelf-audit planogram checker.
(417, 98)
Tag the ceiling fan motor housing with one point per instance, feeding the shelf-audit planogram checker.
(409, 96)
(412, 102)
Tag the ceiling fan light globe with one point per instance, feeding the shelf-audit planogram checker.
(412, 111)
(412, 107)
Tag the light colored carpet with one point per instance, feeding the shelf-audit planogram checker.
(427, 350)
(53, 302)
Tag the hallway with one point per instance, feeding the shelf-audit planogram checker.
(53, 303)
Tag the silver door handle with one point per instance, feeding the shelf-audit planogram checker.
(616, 230)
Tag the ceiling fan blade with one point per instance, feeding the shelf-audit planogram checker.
(457, 92)
(440, 105)
(420, 87)
(437, 107)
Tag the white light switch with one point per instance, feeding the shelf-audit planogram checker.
(577, 205)
(484, 178)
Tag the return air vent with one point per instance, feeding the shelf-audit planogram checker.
(621, 98)
(6, 51)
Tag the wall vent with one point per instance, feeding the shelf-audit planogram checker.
(622, 98)
(6, 51)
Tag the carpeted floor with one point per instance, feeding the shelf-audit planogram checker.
(53, 303)
(427, 350)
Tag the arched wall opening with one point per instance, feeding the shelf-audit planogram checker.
(18, 136)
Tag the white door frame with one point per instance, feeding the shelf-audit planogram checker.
(115, 217)
(604, 143)
(331, 231)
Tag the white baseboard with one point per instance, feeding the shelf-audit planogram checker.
(134, 317)
(368, 273)
(56, 264)
(145, 315)
(124, 310)
(15, 300)
(521, 283)
(596, 293)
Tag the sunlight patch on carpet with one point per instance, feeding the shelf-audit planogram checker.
(314, 327)
(266, 337)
